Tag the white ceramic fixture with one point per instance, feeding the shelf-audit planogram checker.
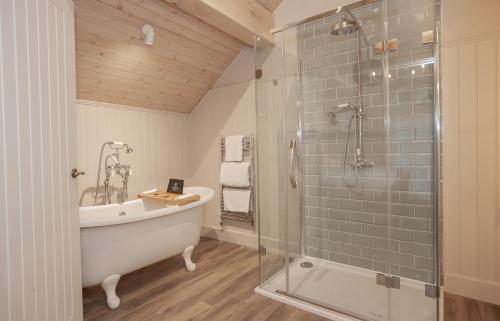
(348, 288)
(121, 238)
(149, 34)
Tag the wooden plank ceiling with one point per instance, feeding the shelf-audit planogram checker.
(115, 66)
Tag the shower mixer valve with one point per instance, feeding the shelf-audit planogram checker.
(359, 161)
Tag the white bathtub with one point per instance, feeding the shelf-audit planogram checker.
(120, 238)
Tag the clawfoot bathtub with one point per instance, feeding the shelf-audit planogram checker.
(120, 238)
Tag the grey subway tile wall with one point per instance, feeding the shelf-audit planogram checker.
(385, 223)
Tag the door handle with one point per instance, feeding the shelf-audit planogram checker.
(293, 164)
(75, 173)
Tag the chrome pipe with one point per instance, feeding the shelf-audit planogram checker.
(359, 116)
(99, 171)
(125, 189)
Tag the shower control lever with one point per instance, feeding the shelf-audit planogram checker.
(75, 173)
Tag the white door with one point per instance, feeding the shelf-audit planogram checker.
(40, 277)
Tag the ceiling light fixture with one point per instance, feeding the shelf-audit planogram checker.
(149, 34)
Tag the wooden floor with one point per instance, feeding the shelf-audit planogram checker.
(457, 308)
(222, 288)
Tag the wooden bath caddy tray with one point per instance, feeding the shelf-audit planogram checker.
(169, 198)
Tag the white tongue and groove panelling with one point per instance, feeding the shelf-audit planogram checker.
(114, 65)
(471, 151)
(160, 141)
(40, 277)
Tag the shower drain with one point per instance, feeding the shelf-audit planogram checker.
(306, 265)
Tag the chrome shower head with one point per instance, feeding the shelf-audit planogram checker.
(344, 27)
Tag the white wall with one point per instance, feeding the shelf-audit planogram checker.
(471, 131)
(160, 141)
(173, 145)
(227, 109)
(290, 11)
(241, 69)
(293, 10)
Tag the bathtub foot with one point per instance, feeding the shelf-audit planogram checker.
(109, 286)
(190, 266)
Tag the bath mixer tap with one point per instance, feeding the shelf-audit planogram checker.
(113, 167)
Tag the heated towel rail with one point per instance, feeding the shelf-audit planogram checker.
(248, 156)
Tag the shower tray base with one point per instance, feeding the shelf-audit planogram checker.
(338, 287)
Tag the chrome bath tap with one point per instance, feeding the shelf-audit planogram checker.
(113, 167)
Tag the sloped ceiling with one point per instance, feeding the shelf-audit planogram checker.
(270, 4)
(115, 66)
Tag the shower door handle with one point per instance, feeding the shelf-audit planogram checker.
(293, 164)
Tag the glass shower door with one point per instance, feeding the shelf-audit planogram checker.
(412, 203)
(345, 224)
(350, 227)
(270, 155)
(278, 160)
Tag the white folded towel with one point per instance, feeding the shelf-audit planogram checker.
(236, 200)
(233, 146)
(235, 174)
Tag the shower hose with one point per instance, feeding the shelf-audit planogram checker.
(346, 144)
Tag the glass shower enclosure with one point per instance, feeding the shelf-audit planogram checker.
(348, 137)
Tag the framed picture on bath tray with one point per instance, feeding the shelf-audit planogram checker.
(175, 186)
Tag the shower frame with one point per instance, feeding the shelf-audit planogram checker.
(436, 178)
(340, 9)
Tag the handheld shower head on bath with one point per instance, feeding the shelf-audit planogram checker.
(120, 145)
(112, 166)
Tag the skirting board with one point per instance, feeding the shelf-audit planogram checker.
(244, 238)
(230, 235)
(472, 288)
